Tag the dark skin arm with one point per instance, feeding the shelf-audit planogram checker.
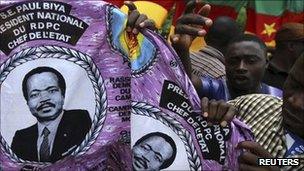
(137, 21)
(189, 26)
(248, 160)
(217, 112)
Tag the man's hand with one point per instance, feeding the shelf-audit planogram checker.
(248, 160)
(190, 25)
(137, 21)
(217, 111)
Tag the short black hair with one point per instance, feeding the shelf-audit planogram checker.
(249, 37)
(167, 138)
(222, 31)
(38, 70)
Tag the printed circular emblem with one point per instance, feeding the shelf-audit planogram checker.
(151, 113)
(61, 104)
(173, 64)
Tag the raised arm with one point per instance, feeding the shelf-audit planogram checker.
(189, 26)
(137, 21)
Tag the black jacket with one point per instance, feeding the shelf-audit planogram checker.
(72, 129)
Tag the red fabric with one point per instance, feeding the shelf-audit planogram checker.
(255, 22)
(219, 10)
(118, 3)
(293, 17)
(167, 4)
(180, 7)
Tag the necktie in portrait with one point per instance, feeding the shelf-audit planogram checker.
(44, 151)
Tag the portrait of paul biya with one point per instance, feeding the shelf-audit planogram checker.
(46, 110)
(155, 146)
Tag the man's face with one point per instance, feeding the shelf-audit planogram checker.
(45, 99)
(151, 153)
(245, 65)
(293, 102)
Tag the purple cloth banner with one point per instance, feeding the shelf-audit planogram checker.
(86, 112)
(166, 123)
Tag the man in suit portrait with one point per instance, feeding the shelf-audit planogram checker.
(57, 132)
(154, 151)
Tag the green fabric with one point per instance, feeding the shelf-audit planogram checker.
(276, 7)
(242, 18)
(296, 6)
(165, 28)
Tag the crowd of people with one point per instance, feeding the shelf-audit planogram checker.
(267, 93)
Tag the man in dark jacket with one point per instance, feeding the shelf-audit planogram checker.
(57, 132)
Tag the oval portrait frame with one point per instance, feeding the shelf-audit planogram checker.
(78, 58)
(144, 109)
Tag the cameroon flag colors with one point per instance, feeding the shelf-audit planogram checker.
(166, 4)
(225, 8)
(264, 18)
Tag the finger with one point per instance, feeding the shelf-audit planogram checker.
(190, 6)
(132, 19)
(141, 18)
(190, 30)
(205, 104)
(246, 167)
(255, 148)
(149, 23)
(131, 6)
(248, 158)
(205, 10)
(174, 38)
(213, 104)
(135, 31)
(231, 112)
(248, 145)
(221, 110)
(193, 19)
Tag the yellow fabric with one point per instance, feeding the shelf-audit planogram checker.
(151, 9)
(196, 45)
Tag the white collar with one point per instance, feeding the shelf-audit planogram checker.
(51, 125)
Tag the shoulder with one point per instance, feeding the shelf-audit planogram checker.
(76, 114)
(74, 119)
(263, 114)
(267, 89)
(255, 107)
(212, 84)
(26, 131)
(214, 88)
(257, 101)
